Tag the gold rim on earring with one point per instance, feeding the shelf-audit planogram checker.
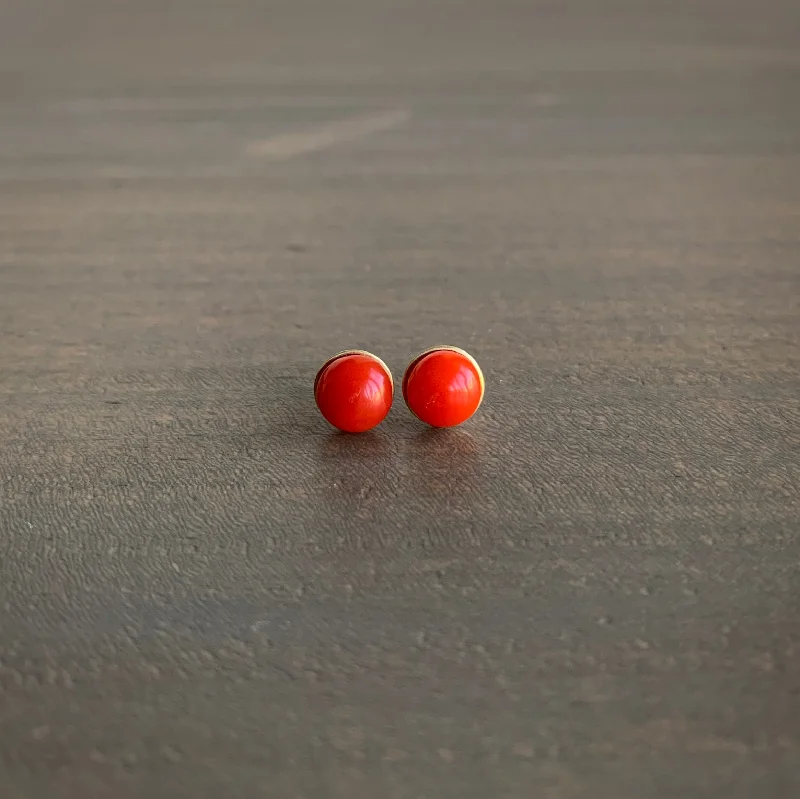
(440, 348)
(352, 352)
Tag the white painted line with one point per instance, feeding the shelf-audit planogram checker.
(289, 145)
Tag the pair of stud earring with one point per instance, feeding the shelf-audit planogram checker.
(442, 386)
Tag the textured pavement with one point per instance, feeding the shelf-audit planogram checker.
(589, 590)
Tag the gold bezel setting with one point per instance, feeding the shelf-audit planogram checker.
(352, 352)
(446, 348)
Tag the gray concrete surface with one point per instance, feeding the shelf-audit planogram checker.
(590, 590)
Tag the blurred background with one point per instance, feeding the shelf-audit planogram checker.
(589, 590)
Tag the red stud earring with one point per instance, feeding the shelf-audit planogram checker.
(354, 391)
(443, 386)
